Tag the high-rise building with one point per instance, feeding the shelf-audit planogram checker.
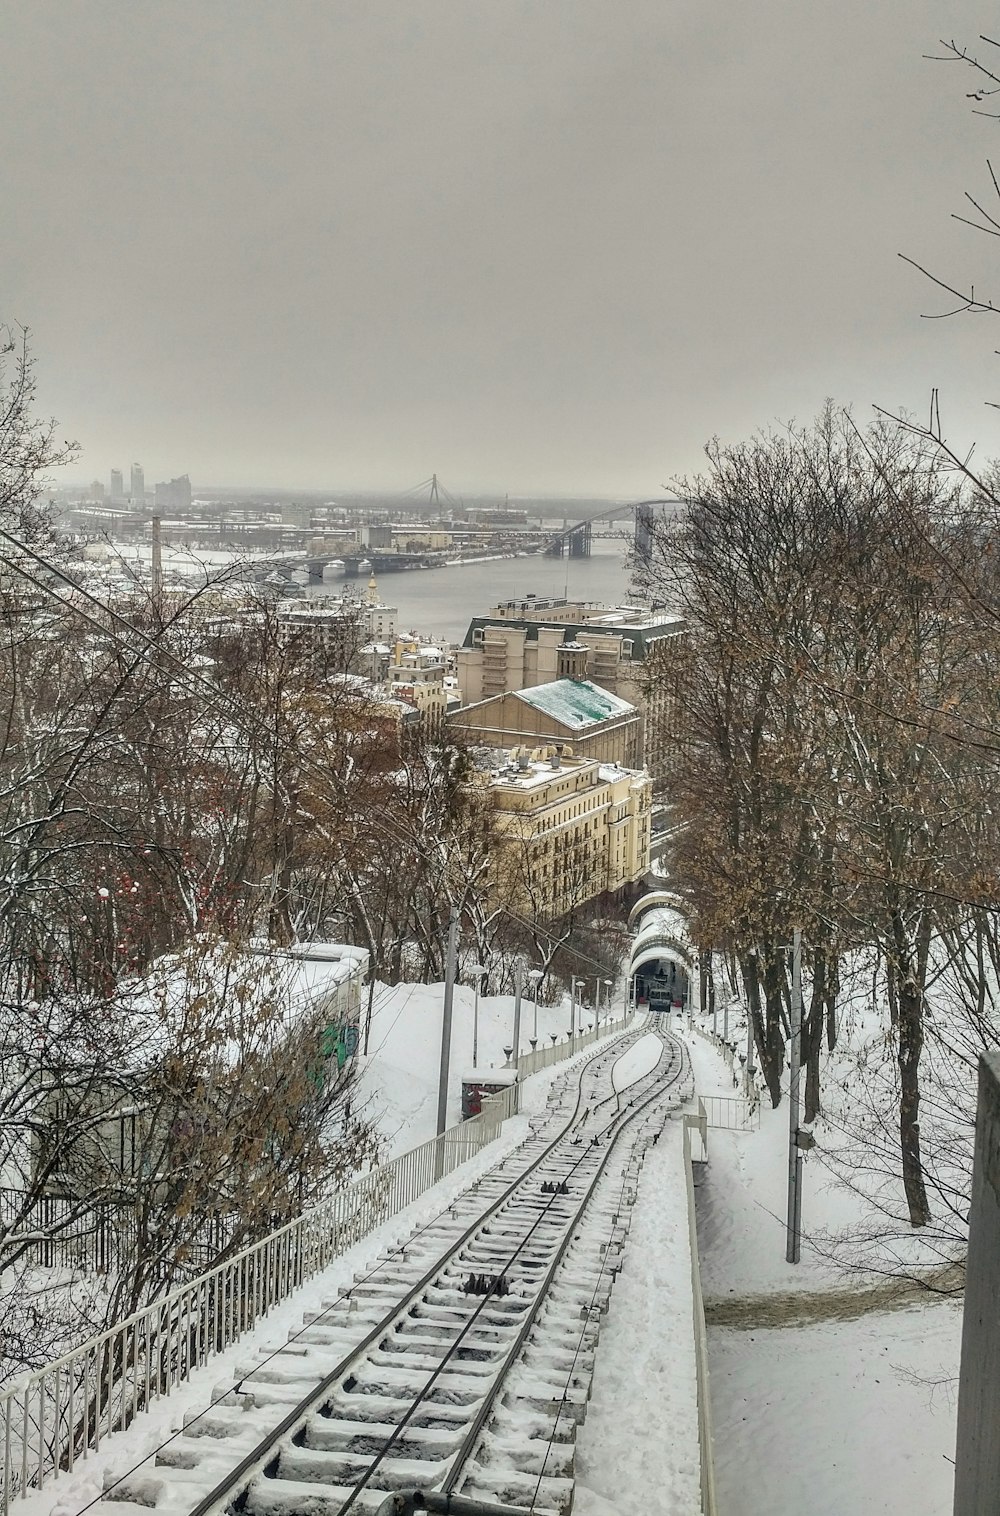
(174, 495)
(117, 487)
(137, 494)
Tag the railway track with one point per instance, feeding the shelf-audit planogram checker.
(461, 1362)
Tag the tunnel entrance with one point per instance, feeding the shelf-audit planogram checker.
(663, 983)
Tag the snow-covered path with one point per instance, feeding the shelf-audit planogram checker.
(850, 1417)
(846, 1418)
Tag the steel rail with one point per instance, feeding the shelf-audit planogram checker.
(467, 1447)
(221, 1495)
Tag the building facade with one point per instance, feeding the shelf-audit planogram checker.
(417, 676)
(173, 494)
(340, 628)
(628, 651)
(137, 491)
(575, 829)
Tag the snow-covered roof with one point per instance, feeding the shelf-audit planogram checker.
(611, 772)
(575, 703)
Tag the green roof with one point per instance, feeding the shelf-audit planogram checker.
(575, 703)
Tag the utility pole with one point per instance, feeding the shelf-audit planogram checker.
(517, 1012)
(977, 1453)
(451, 966)
(793, 1244)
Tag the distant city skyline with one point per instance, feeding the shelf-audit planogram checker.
(540, 249)
(75, 479)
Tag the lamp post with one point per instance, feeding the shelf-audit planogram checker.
(535, 976)
(451, 963)
(477, 971)
(608, 985)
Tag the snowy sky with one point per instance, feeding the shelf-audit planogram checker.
(533, 245)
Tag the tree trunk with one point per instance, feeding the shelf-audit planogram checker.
(911, 1041)
(831, 1006)
(812, 1038)
(770, 1067)
(775, 980)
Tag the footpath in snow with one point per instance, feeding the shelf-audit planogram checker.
(821, 1403)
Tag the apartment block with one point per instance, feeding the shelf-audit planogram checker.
(577, 828)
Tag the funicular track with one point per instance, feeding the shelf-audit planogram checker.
(462, 1361)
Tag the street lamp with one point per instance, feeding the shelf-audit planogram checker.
(534, 978)
(477, 971)
(607, 1002)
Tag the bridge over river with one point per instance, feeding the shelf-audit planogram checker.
(575, 539)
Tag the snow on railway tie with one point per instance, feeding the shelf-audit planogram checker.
(461, 1361)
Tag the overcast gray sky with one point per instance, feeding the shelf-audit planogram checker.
(531, 245)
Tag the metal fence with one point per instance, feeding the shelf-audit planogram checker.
(731, 1113)
(745, 1077)
(545, 1057)
(52, 1418)
(61, 1233)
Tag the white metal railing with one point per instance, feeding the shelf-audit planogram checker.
(55, 1416)
(731, 1113)
(51, 1418)
(545, 1057)
(746, 1077)
(708, 1503)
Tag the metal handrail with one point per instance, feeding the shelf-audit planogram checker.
(751, 1088)
(544, 1057)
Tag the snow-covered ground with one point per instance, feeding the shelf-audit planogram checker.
(636, 1062)
(638, 1448)
(825, 1400)
(398, 1085)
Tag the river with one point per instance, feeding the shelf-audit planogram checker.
(439, 603)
